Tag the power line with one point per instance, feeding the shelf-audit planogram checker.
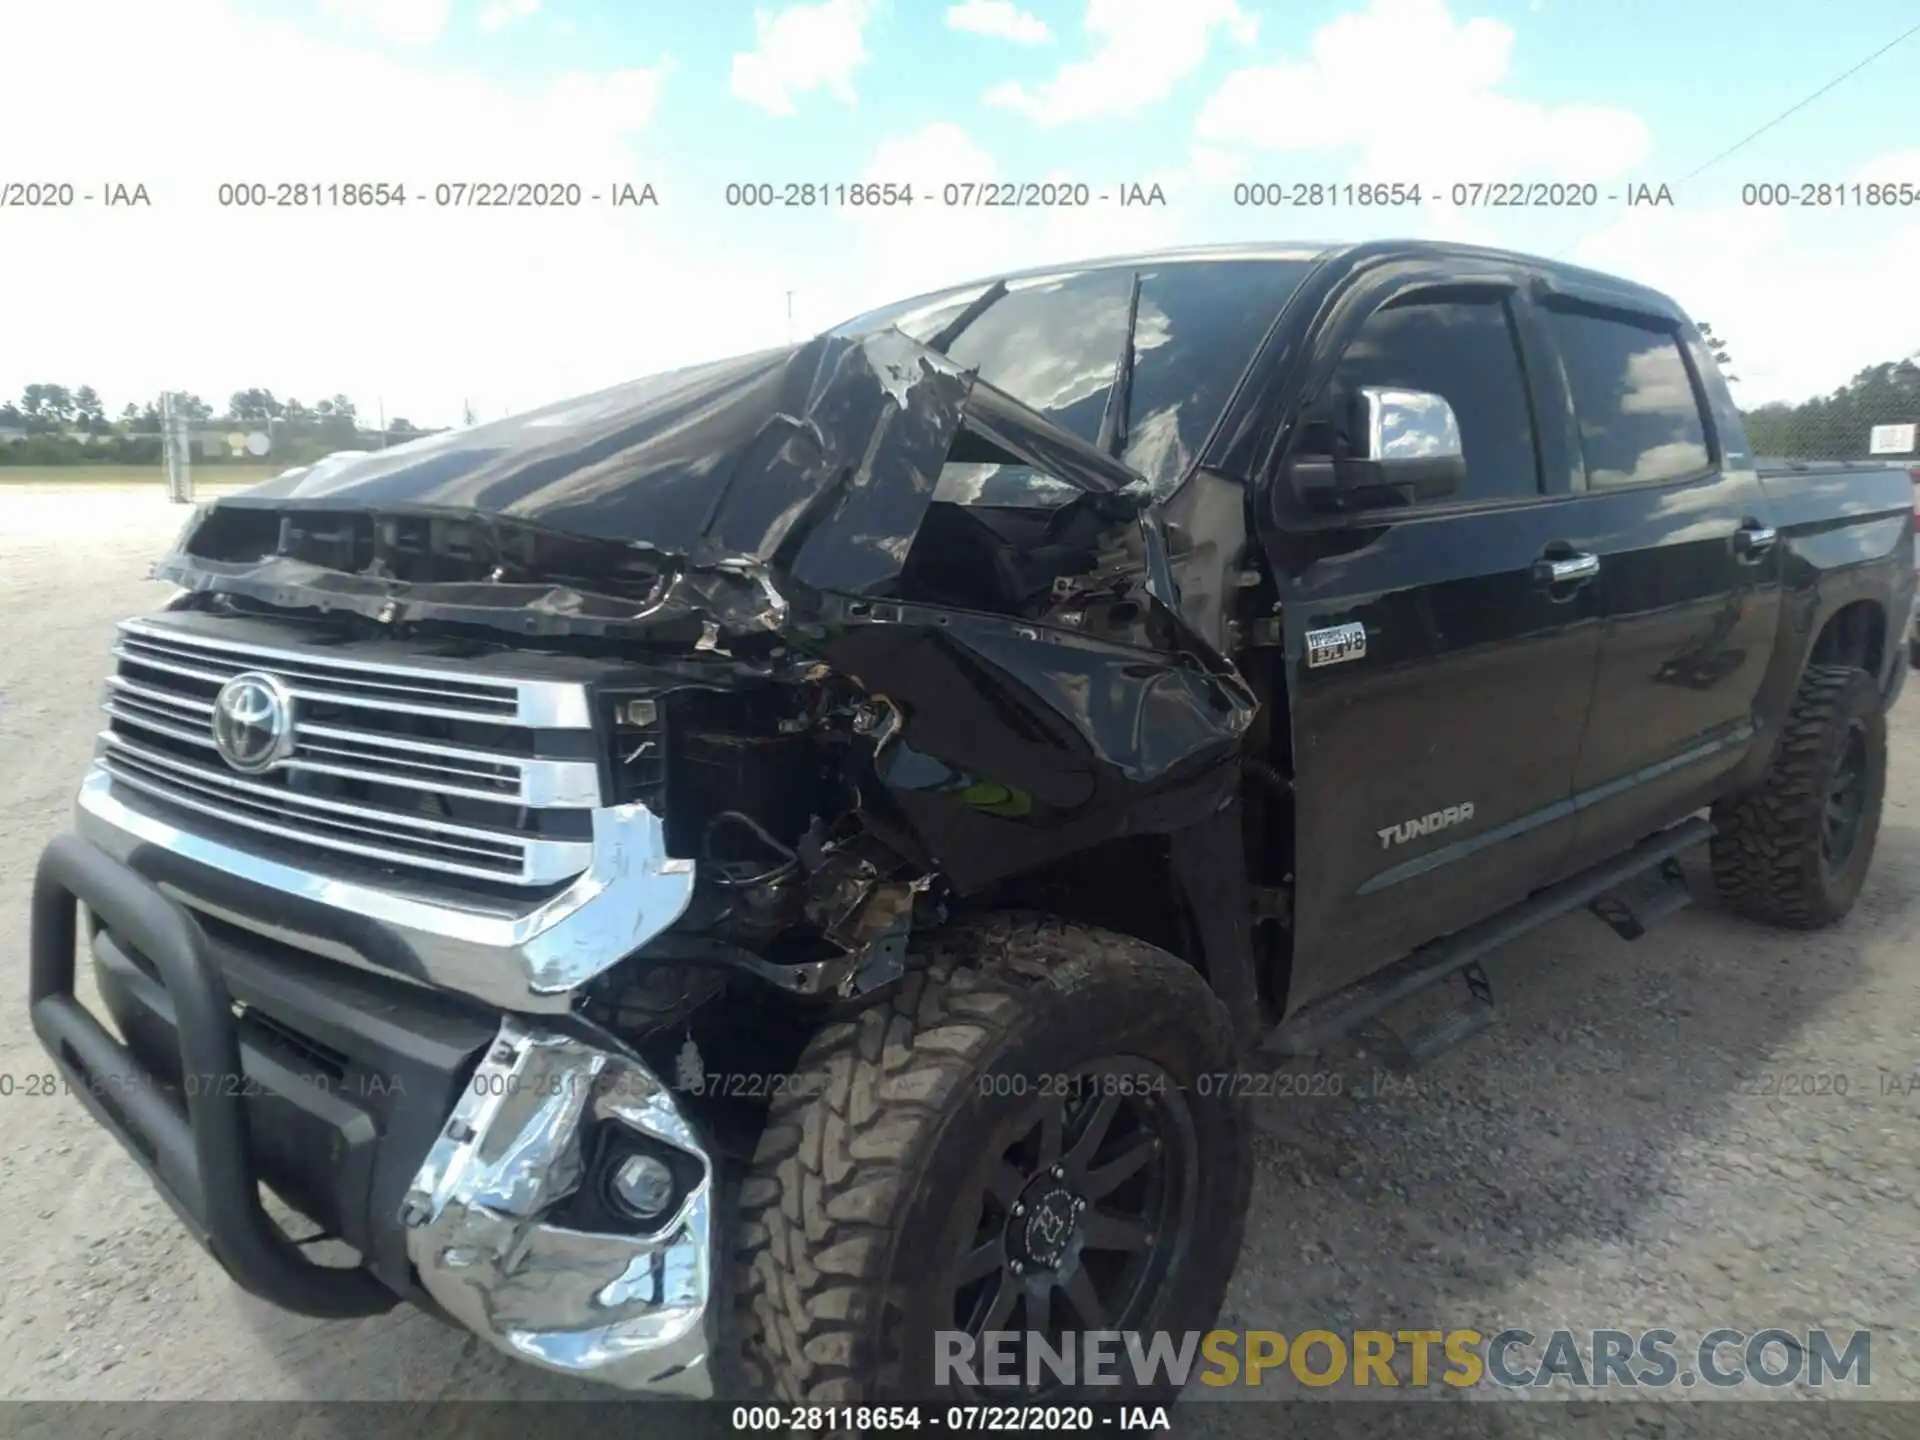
(1800, 105)
(1787, 113)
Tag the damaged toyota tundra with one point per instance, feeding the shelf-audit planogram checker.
(732, 882)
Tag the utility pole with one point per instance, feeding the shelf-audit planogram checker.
(380, 403)
(166, 446)
(789, 317)
(176, 443)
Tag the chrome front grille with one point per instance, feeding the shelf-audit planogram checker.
(397, 760)
(395, 688)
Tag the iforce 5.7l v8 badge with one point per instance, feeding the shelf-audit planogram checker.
(1335, 644)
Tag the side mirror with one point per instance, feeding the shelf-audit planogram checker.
(1388, 447)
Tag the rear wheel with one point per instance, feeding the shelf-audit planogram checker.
(1796, 852)
(1032, 1136)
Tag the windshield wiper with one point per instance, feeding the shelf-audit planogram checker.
(1113, 420)
(978, 306)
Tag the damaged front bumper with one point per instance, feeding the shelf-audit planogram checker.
(466, 1159)
(545, 1124)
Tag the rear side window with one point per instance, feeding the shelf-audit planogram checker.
(1639, 413)
(1462, 349)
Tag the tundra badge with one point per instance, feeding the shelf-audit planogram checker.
(1425, 825)
(1337, 643)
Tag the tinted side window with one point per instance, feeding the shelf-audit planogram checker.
(1639, 415)
(1464, 351)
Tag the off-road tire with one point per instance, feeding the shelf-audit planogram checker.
(1767, 857)
(862, 1148)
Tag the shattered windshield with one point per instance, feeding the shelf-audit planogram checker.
(1051, 342)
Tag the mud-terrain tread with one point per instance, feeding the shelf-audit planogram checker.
(1765, 850)
(816, 1214)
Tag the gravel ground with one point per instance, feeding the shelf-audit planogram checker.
(1613, 1154)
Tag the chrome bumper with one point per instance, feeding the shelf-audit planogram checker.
(505, 1222)
(527, 957)
(635, 1310)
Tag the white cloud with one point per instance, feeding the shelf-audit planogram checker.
(1001, 18)
(1902, 167)
(940, 152)
(620, 102)
(1143, 49)
(1216, 167)
(400, 22)
(1455, 225)
(800, 49)
(423, 306)
(1416, 95)
(498, 14)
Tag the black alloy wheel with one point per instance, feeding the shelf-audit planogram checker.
(1081, 1218)
(1034, 1136)
(1846, 801)
(1795, 851)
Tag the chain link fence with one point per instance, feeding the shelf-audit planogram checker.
(234, 451)
(1874, 415)
(177, 443)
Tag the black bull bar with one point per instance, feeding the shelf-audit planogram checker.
(190, 1136)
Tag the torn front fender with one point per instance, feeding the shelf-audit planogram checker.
(1019, 744)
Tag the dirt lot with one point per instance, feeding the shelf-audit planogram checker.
(1615, 1153)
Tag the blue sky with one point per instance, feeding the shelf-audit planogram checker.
(424, 310)
(1701, 73)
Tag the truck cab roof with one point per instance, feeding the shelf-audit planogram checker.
(1347, 256)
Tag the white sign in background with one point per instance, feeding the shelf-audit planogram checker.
(1891, 440)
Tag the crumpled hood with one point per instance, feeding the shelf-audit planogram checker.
(817, 461)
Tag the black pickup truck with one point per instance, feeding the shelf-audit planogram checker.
(780, 861)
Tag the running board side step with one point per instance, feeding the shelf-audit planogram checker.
(1354, 1011)
(1631, 907)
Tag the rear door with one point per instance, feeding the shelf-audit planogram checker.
(1688, 570)
(1471, 695)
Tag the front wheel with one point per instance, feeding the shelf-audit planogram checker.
(1036, 1135)
(1796, 853)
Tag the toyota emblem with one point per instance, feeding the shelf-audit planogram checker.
(253, 722)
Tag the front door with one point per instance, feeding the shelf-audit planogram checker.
(1433, 767)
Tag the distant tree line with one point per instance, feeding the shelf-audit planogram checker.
(1837, 426)
(59, 425)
